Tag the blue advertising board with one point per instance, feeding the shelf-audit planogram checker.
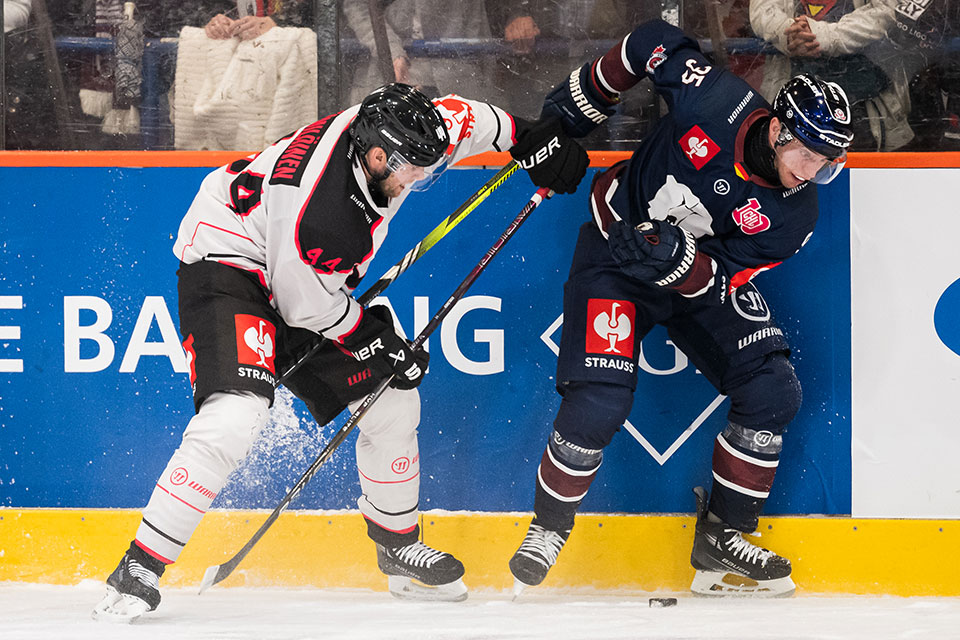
(94, 394)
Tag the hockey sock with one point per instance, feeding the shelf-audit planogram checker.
(563, 478)
(744, 465)
(391, 539)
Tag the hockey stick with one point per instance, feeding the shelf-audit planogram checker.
(217, 573)
(414, 254)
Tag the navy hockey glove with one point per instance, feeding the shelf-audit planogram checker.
(551, 158)
(655, 251)
(376, 343)
(579, 103)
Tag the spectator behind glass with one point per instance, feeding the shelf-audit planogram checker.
(845, 42)
(399, 23)
(927, 28)
(363, 67)
(29, 119)
(548, 37)
(241, 82)
(15, 14)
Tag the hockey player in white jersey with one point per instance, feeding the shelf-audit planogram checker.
(271, 250)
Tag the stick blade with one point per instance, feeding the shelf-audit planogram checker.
(211, 577)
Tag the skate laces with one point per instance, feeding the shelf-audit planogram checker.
(144, 575)
(746, 550)
(419, 555)
(542, 545)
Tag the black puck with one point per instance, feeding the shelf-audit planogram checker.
(663, 602)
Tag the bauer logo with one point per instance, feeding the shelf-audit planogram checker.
(610, 327)
(255, 341)
(945, 316)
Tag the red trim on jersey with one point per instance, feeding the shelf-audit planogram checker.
(513, 130)
(407, 530)
(306, 203)
(738, 155)
(743, 277)
(742, 472)
(614, 71)
(152, 553)
(207, 224)
(257, 272)
(352, 329)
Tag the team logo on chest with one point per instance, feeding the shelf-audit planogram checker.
(749, 218)
(610, 326)
(698, 147)
(255, 341)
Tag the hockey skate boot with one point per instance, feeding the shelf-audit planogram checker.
(537, 553)
(418, 572)
(729, 565)
(132, 589)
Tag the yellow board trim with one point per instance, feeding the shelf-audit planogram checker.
(606, 553)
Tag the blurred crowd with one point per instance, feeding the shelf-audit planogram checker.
(237, 74)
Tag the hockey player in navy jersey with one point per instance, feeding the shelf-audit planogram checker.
(271, 251)
(719, 192)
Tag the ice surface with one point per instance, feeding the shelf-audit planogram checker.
(35, 612)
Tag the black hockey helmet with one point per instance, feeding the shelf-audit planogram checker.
(400, 119)
(817, 113)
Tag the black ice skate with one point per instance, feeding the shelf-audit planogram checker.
(132, 589)
(729, 565)
(537, 553)
(419, 572)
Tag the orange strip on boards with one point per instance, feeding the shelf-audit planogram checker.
(118, 158)
(860, 160)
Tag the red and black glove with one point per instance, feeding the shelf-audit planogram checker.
(551, 158)
(376, 343)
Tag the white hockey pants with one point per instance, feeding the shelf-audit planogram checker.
(221, 435)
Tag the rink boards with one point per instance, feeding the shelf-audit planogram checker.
(94, 395)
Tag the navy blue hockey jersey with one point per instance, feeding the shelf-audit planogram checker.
(689, 171)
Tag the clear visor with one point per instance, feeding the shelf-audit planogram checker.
(418, 178)
(830, 170)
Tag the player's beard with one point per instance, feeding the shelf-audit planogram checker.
(375, 185)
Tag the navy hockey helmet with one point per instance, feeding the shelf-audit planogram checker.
(817, 113)
(403, 121)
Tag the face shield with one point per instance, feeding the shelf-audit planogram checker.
(430, 175)
(830, 170)
(416, 177)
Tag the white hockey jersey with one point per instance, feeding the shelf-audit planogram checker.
(300, 217)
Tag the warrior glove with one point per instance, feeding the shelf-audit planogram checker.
(579, 102)
(656, 252)
(550, 157)
(376, 343)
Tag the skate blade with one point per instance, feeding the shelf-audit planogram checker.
(719, 584)
(408, 589)
(119, 608)
(518, 587)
